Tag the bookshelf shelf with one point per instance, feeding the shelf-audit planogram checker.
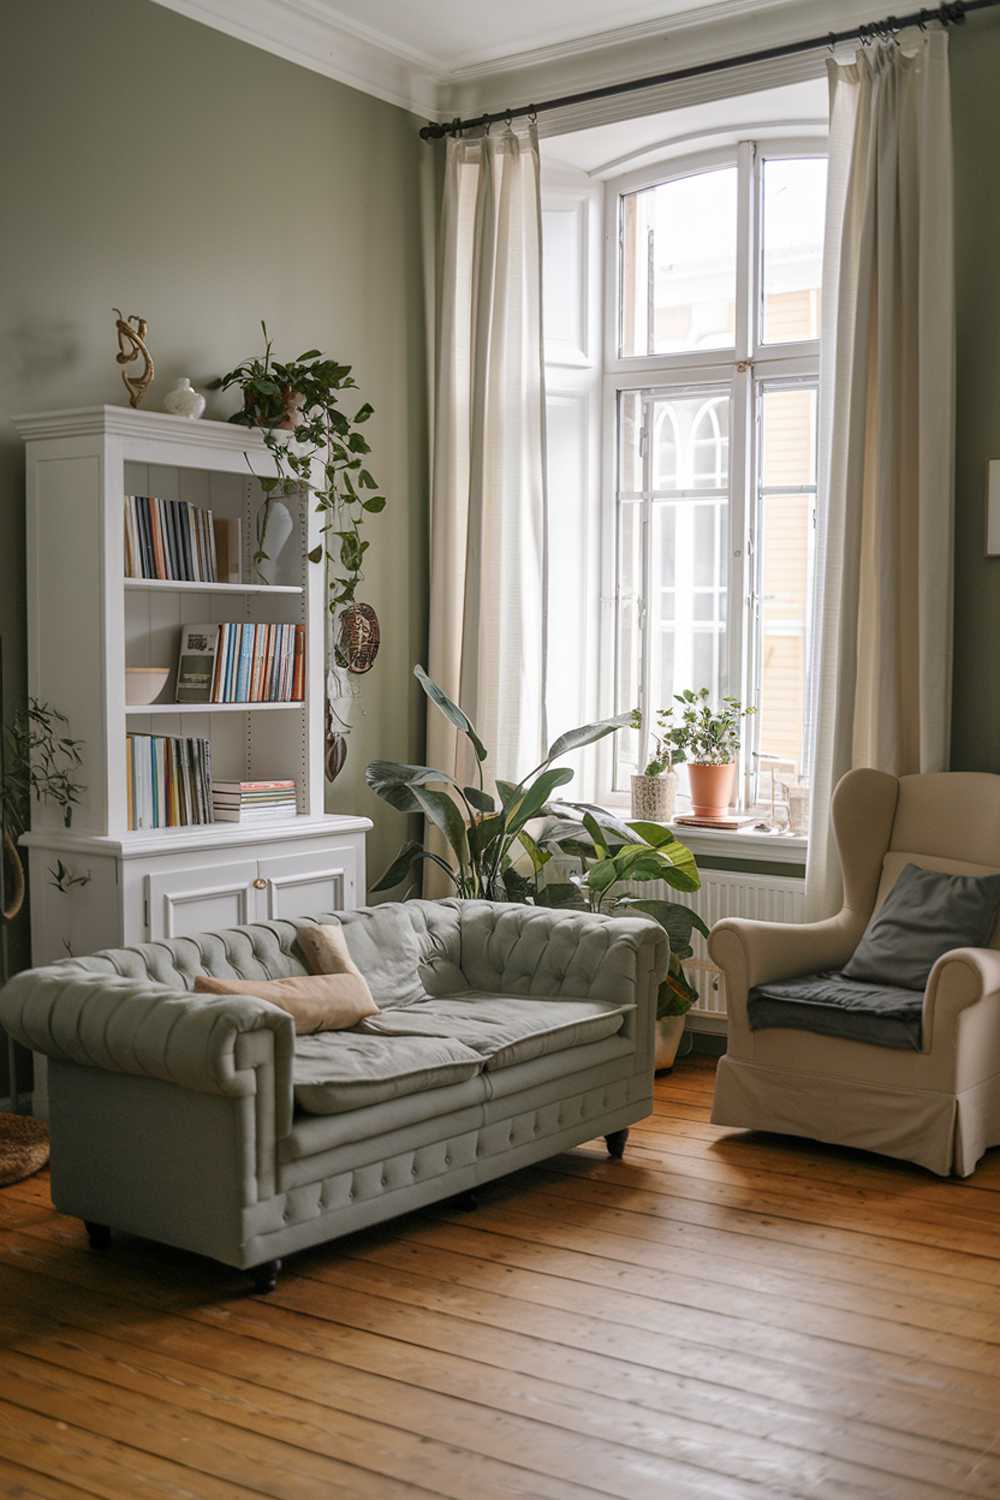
(177, 586)
(140, 710)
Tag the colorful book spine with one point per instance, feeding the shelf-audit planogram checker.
(171, 540)
(169, 781)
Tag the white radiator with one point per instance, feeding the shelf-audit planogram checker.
(765, 898)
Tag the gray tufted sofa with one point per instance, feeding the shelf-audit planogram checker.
(505, 1033)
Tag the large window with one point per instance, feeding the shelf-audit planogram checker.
(714, 314)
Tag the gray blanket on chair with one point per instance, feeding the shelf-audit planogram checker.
(827, 1003)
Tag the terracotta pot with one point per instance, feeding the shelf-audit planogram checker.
(669, 1030)
(653, 797)
(711, 789)
(293, 411)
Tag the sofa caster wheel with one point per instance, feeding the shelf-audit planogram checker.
(467, 1202)
(616, 1144)
(265, 1277)
(99, 1235)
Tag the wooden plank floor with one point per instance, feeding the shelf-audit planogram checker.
(719, 1315)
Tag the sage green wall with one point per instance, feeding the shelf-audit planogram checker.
(975, 54)
(156, 164)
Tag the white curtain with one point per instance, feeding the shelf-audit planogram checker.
(883, 637)
(488, 523)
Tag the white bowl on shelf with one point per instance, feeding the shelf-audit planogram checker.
(145, 684)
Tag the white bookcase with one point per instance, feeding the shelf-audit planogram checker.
(87, 622)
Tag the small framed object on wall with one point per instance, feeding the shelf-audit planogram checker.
(993, 507)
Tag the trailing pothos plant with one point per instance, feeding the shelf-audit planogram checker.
(298, 402)
(498, 846)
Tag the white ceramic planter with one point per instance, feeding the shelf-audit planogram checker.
(653, 797)
(669, 1030)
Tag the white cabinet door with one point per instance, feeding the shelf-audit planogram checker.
(201, 898)
(309, 884)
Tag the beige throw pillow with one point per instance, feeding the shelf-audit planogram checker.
(324, 948)
(316, 1002)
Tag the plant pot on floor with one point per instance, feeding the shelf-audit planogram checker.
(653, 797)
(669, 1030)
(711, 789)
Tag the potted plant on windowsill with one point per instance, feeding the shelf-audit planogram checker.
(710, 739)
(654, 791)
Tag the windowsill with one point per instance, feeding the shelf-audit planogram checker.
(724, 843)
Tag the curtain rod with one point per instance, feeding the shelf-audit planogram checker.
(946, 14)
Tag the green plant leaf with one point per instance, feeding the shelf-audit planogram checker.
(374, 505)
(534, 798)
(484, 832)
(316, 555)
(677, 921)
(451, 711)
(481, 801)
(596, 837)
(364, 412)
(674, 865)
(602, 876)
(654, 834)
(410, 854)
(586, 734)
(444, 814)
(509, 791)
(539, 857)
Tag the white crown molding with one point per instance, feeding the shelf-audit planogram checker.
(495, 63)
(302, 32)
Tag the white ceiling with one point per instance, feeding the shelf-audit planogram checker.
(452, 36)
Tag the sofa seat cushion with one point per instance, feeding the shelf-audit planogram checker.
(335, 1071)
(502, 1029)
(880, 1014)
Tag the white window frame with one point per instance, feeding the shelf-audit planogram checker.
(746, 367)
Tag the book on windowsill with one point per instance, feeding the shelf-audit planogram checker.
(728, 822)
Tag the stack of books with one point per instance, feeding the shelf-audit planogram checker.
(253, 801)
(169, 539)
(241, 663)
(169, 781)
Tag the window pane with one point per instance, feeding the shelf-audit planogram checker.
(629, 646)
(687, 632)
(789, 438)
(690, 442)
(678, 287)
(785, 529)
(630, 481)
(794, 213)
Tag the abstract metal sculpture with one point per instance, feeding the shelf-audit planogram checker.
(132, 346)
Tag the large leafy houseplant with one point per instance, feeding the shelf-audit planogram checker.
(707, 736)
(297, 405)
(498, 846)
(480, 830)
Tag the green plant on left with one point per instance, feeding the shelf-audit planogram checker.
(40, 765)
(307, 391)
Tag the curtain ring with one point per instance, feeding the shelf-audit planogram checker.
(532, 115)
(510, 120)
(831, 44)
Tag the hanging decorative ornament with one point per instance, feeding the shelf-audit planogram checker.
(359, 639)
(335, 757)
(132, 346)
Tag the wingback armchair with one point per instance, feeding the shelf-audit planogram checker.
(939, 1105)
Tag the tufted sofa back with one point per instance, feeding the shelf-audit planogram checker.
(404, 949)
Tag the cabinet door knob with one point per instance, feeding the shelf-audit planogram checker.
(260, 885)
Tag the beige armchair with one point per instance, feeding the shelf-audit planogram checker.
(940, 1106)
